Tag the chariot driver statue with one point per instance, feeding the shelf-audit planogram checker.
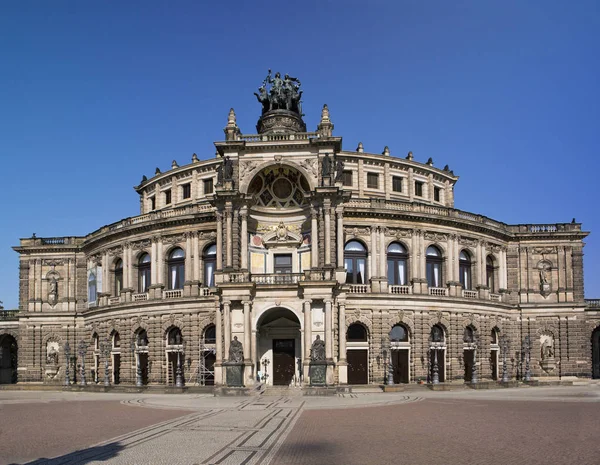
(283, 94)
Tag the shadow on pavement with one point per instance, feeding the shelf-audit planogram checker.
(82, 456)
(312, 452)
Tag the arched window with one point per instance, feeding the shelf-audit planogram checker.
(494, 336)
(144, 273)
(434, 262)
(356, 333)
(176, 264)
(355, 262)
(116, 340)
(437, 334)
(464, 269)
(118, 277)
(174, 337)
(396, 264)
(489, 273)
(92, 289)
(469, 336)
(210, 264)
(96, 341)
(210, 334)
(142, 338)
(399, 334)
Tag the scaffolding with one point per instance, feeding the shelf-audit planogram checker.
(208, 351)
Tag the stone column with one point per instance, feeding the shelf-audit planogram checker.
(373, 253)
(153, 261)
(227, 324)
(382, 251)
(219, 263)
(196, 263)
(248, 360)
(314, 239)
(340, 237)
(343, 364)
(307, 338)
(328, 331)
(244, 239)
(414, 256)
(126, 266)
(187, 264)
(160, 278)
(229, 235)
(327, 219)
(411, 185)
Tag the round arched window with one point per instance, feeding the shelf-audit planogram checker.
(356, 333)
(434, 266)
(210, 264)
(355, 262)
(118, 277)
(144, 273)
(464, 265)
(397, 269)
(399, 334)
(176, 265)
(437, 334)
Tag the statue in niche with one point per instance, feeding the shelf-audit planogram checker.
(53, 291)
(544, 268)
(339, 170)
(326, 166)
(547, 349)
(236, 351)
(219, 170)
(52, 357)
(227, 169)
(317, 351)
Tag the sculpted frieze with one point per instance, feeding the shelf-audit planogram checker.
(355, 232)
(435, 236)
(468, 241)
(247, 167)
(397, 232)
(140, 245)
(53, 261)
(114, 251)
(175, 239)
(207, 234)
(544, 250)
(310, 165)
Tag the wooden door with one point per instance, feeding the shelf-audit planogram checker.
(494, 364)
(596, 354)
(143, 361)
(283, 361)
(468, 357)
(357, 366)
(400, 366)
(116, 368)
(172, 367)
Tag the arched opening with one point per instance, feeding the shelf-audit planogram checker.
(355, 262)
(468, 352)
(279, 351)
(357, 354)
(9, 357)
(118, 277)
(175, 354)
(400, 352)
(464, 269)
(142, 358)
(397, 269)
(494, 352)
(92, 288)
(116, 357)
(144, 273)
(596, 353)
(96, 352)
(434, 260)
(208, 351)
(437, 354)
(209, 257)
(176, 267)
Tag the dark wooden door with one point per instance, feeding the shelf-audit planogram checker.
(468, 356)
(400, 366)
(357, 366)
(283, 361)
(172, 358)
(144, 366)
(494, 364)
(441, 363)
(209, 367)
(596, 354)
(116, 368)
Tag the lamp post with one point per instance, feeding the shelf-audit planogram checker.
(265, 363)
(436, 369)
(106, 349)
(82, 350)
(388, 368)
(178, 374)
(505, 375)
(527, 347)
(474, 379)
(67, 361)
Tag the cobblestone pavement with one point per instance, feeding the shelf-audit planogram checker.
(528, 425)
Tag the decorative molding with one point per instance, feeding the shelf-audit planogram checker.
(53, 261)
(141, 245)
(435, 236)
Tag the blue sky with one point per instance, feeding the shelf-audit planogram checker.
(93, 95)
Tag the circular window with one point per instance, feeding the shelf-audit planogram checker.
(282, 188)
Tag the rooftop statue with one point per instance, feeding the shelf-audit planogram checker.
(277, 93)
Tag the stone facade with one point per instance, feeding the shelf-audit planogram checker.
(285, 236)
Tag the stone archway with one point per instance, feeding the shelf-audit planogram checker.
(9, 356)
(279, 347)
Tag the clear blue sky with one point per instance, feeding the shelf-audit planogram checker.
(93, 95)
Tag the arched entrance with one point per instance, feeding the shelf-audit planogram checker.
(357, 354)
(8, 359)
(596, 353)
(400, 351)
(279, 347)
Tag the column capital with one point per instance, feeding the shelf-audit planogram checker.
(247, 302)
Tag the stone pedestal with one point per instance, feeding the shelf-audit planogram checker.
(454, 289)
(379, 285)
(234, 374)
(343, 372)
(318, 373)
(484, 292)
(419, 286)
(248, 374)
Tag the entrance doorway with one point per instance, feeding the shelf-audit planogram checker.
(596, 353)
(283, 361)
(143, 361)
(358, 366)
(116, 368)
(468, 357)
(8, 359)
(400, 366)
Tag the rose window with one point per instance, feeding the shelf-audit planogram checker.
(279, 187)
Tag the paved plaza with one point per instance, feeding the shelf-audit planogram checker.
(504, 426)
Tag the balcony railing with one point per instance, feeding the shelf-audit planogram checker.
(469, 294)
(438, 291)
(277, 278)
(140, 297)
(399, 290)
(359, 288)
(7, 315)
(593, 303)
(173, 294)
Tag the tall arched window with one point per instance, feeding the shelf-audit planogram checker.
(396, 264)
(210, 264)
(174, 337)
(118, 277)
(437, 334)
(399, 334)
(210, 334)
(489, 273)
(356, 333)
(434, 262)
(355, 262)
(92, 289)
(142, 338)
(464, 269)
(469, 335)
(176, 264)
(144, 273)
